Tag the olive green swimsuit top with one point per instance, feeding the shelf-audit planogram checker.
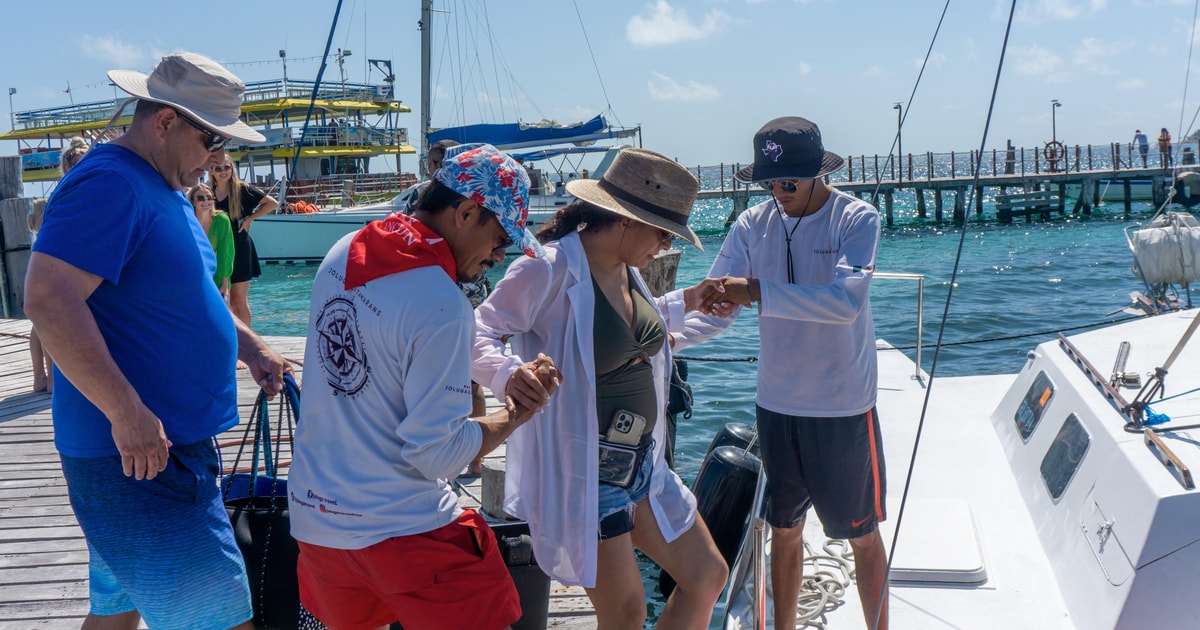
(624, 378)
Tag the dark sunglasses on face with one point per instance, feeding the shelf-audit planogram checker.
(507, 242)
(664, 237)
(786, 185)
(221, 168)
(205, 198)
(213, 141)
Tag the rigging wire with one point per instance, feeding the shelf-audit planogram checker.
(1182, 105)
(312, 101)
(912, 95)
(588, 41)
(1188, 74)
(487, 21)
(946, 308)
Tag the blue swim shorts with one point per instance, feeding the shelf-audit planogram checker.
(163, 547)
(617, 503)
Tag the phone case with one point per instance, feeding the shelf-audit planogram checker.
(626, 428)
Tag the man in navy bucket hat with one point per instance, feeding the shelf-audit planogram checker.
(806, 256)
(385, 422)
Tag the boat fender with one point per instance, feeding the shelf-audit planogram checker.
(724, 491)
(736, 434)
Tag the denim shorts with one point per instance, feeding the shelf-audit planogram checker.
(163, 547)
(617, 503)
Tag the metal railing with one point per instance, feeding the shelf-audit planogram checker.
(920, 278)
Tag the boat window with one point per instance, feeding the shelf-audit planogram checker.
(1030, 411)
(1065, 454)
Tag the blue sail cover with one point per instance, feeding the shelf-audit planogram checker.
(517, 135)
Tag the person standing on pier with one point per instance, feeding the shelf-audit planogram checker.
(43, 363)
(243, 203)
(384, 425)
(1164, 149)
(120, 288)
(1142, 143)
(806, 257)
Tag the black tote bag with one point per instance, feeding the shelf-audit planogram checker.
(258, 510)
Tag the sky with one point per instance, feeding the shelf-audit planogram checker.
(698, 76)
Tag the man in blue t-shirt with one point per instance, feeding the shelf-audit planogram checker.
(119, 288)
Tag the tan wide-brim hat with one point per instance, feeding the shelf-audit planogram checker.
(647, 187)
(197, 86)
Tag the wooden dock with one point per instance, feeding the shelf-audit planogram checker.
(945, 179)
(43, 556)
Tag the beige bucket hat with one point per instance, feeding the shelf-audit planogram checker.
(647, 187)
(195, 85)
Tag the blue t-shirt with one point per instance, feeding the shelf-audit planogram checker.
(157, 308)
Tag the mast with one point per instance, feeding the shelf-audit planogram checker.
(426, 118)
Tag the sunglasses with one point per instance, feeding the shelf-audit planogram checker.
(664, 237)
(221, 168)
(204, 198)
(507, 242)
(213, 141)
(786, 185)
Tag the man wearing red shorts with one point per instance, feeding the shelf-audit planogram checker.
(384, 425)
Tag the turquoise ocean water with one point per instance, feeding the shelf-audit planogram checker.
(1020, 282)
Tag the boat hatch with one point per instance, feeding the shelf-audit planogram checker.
(1063, 457)
(1097, 529)
(939, 544)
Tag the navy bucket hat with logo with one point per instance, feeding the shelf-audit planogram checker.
(789, 148)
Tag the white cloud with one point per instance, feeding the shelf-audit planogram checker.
(1093, 54)
(668, 25)
(1036, 61)
(1045, 11)
(664, 88)
(1130, 85)
(113, 50)
(874, 72)
(936, 60)
(805, 69)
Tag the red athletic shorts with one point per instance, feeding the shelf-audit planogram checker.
(451, 577)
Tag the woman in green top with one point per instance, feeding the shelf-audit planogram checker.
(220, 233)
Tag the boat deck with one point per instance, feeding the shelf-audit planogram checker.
(43, 556)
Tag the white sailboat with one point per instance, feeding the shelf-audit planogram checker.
(307, 237)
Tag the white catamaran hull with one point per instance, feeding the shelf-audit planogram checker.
(1074, 523)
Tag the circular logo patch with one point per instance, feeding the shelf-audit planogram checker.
(339, 347)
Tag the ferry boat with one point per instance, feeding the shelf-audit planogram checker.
(328, 162)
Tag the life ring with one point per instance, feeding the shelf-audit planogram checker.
(1055, 152)
(724, 491)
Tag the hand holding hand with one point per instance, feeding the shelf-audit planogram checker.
(702, 296)
(739, 291)
(530, 386)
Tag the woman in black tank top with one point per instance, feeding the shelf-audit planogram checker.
(595, 317)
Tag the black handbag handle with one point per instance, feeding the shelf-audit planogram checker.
(258, 432)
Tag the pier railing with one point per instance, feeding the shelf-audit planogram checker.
(1017, 161)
